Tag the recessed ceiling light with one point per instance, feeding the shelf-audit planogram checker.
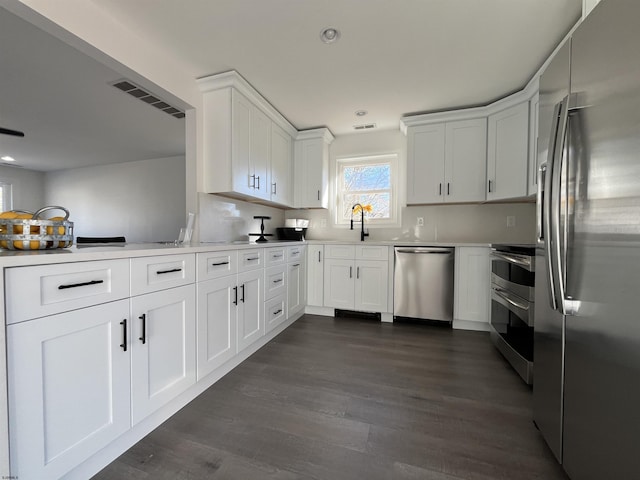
(329, 35)
(7, 158)
(361, 113)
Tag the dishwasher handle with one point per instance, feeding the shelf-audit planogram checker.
(425, 250)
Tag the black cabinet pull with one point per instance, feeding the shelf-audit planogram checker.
(489, 186)
(252, 259)
(295, 265)
(252, 184)
(439, 189)
(319, 257)
(277, 312)
(83, 284)
(235, 289)
(242, 299)
(350, 272)
(277, 281)
(275, 189)
(123, 345)
(258, 178)
(358, 272)
(219, 263)
(161, 272)
(143, 317)
(448, 190)
(318, 194)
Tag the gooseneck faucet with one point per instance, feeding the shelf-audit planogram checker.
(362, 232)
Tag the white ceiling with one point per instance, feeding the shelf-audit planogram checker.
(394, 57)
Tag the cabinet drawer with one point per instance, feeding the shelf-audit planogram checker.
(372, 252)
(275, 312)
(340, 251)
(217, 264)
(150, 274)
(274, 281)
(274, 256)
(33, 292)
(295, 253)
(250, 259)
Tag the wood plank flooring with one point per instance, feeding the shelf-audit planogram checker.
(343, 398)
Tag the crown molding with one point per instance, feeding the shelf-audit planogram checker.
(322, 132)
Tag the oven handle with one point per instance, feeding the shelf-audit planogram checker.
(504, 295)
(520, 261)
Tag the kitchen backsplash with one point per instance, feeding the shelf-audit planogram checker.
(442, 223)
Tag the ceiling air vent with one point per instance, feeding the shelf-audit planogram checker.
(364, 126)
(134, 90)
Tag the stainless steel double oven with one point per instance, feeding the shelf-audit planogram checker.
(512, 305)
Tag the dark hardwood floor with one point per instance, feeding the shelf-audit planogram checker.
(354, 399)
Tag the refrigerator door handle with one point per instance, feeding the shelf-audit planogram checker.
(540, 229)
(547, 205)
(563, 304)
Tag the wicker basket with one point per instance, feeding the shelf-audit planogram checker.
(36, 233)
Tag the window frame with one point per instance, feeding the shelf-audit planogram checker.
(392, 159)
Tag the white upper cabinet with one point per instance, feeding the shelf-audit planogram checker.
(311, 169)
(281, 166)
(508, 153)
(446, 162)
(532, 184)
(247, 143)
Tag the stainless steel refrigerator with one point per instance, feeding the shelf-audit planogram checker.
(586, 388)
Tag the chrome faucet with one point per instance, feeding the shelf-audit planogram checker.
(362, 232)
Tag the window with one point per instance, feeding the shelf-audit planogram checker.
(371, 182)
(5, 197)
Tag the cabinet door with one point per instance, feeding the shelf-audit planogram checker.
(425, 163)
(69, 388)
(260, 153)
(217, 311)
(339, 283)
(311, 171)
(243, 176)
(280, 166)
(250, 308)
(315, 275)
(466, 161)
(163, 351)
(508, 152)
(372, 284)
(472, 284)
(295, 288)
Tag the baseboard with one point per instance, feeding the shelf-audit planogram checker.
(324, 311)
(470, 325)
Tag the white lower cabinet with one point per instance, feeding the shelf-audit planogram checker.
(275, 312)
(315, 275)
(250, 308)
(296, 287)
(162, 348)
(69, 388)
(217, 323)
(472, 286)
(360, 282)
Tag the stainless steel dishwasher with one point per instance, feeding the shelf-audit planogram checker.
(423, 283)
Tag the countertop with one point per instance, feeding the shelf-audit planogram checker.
(82, 253)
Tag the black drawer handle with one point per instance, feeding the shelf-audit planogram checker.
(161, 272)
(277, 281)
(252, 259)
(219, 263)
(277, 312)
(123, 345)
(83, 284)
(295, 265)
(143, 317)
(277, 256)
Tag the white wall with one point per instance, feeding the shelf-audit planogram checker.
(143, 200)
(442, 223)
(27, 187)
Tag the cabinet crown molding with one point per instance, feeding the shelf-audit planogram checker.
(232, 79)
(323, 133)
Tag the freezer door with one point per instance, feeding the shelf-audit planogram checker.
(602, 348)
(549, 324)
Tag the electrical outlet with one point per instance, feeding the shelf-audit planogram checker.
(511, 221)
(420, 222)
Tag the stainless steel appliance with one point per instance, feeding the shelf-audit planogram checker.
(423, 283)
(587, 327)
(512, 305)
